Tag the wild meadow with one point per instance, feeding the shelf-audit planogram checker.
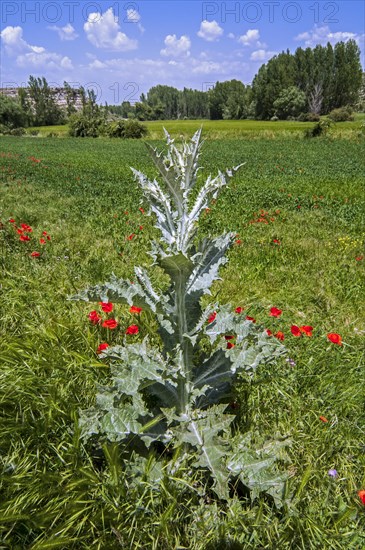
(71, 215)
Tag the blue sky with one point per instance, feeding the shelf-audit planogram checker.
(121, 48)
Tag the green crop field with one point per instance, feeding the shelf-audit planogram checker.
(298, 209)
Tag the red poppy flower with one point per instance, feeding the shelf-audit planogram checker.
(35, 254)
(102, 347)
(334, 338)
(132, 329)
(359, 258)
(130, 237)
(212, 317)
(94, 317)
(141, 210)
(238, 241)
(295, 331)
(307, 330)
(275, 312)
(268, 332)
(42, 241)
(44, 233)
(230, 345)
(362, 496)
(24, 238)
(26, 228)
(141, 227)
(276, 241)
(11, 220)
(229, 336)
(239, 309)
(252, 319)
(110, 323)
(48, 237)
(106, 306)
(280, 335)
(19, 231)
(135, 309)
(323, 418)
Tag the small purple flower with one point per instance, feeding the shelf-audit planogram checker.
(291, 361)
(332, 472)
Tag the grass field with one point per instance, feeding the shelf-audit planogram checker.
(298, 208)
(232, 129)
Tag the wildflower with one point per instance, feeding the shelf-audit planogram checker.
(334, 338)
(130, 237)
(141, 210)
(280, 335)
(44, 233)
(295, 330)
(239, 309)
(48, 237)
(362, 496)
(11, 220)
(212, 317)
(141, 227)
(291, 362)
(230, 345)
(102, 347)
(268, 332)
(332, 472)
(307, 330)
(94, 317)
(26, 228)
(42, 241)
(238, 241)
(323, 419)
(132, 329)
(110, 323)
(24, 238)
(275, 312)
(35, 254)
(276, 241)
(229, 337)
(252, 319)
(107, 307)
(135, 309)
(359, 258)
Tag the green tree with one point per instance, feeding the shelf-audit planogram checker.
(11, 113)
(290, 103)
(45, 110)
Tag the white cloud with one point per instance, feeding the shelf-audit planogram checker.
(31, 56)
(12, 38)
(322, 35)
(65, 33)
(231, 35)
(103, 31)
(176, 47)
(134, 17)
(45, 60)
(262, 55)
(210, 31)
(251, 36)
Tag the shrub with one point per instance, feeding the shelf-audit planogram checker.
(274, 118)
(17, 132)
(320, 129)
(173, 400)
(308, 117)
(342, 114)
(80, 125)
(126, 129)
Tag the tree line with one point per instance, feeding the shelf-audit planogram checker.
(312, 80)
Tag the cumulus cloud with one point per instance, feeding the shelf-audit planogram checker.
(46, 60)
(251, 36)
(12, 38)
(322, 35)
(176, 47)
(65, 33)
(31, 56)
(134, 17)
(210, 31)
(262, 55)
(103, 31)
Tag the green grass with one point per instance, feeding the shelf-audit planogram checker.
(57, 493)
(230, 129)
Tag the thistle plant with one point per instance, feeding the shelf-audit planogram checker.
(178, 395)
